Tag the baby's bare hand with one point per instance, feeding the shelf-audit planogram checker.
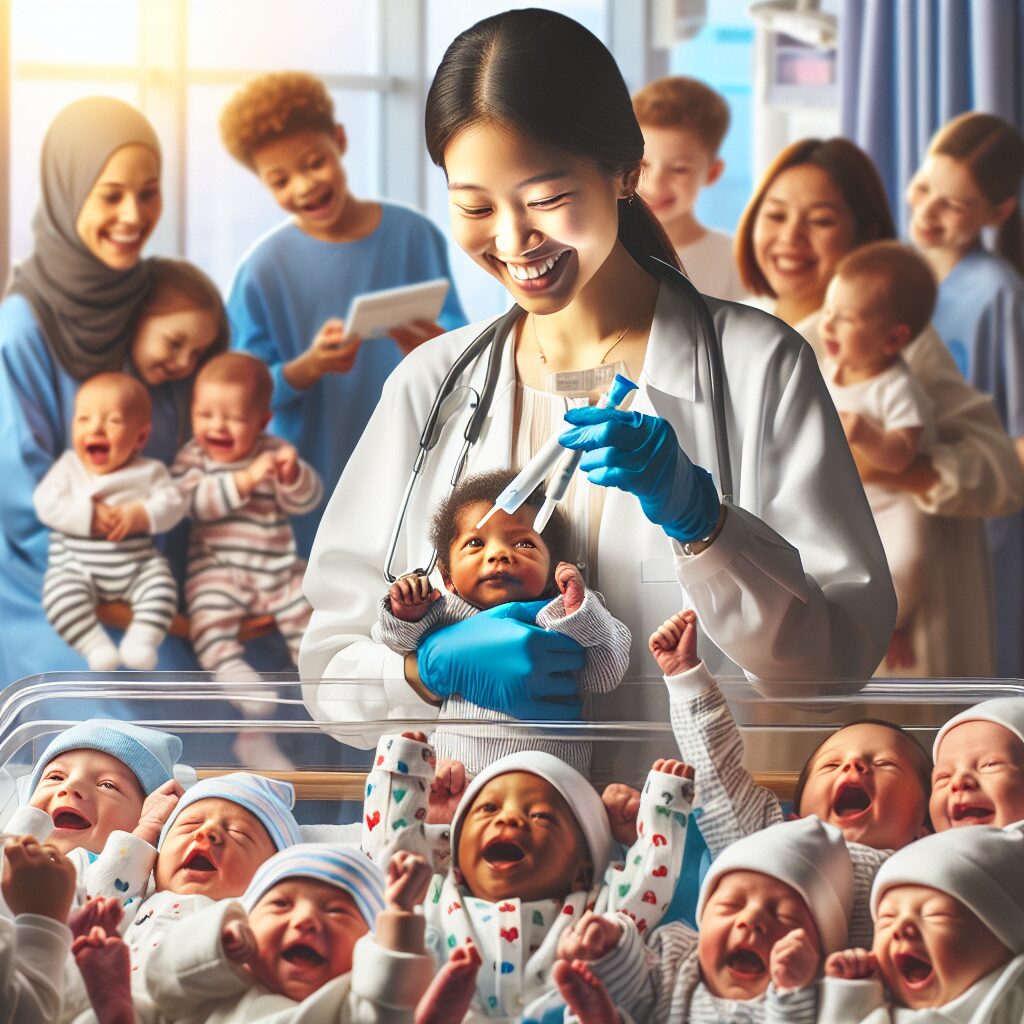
(286, 464)
(127, 520)
(674, 643)
(590, 938)
(37, 879)
(103, 912)
(622, 804)
(569, 581)
(239, 942)
(156, 810)
(670, 767)
(851, 964)
(411, 597)
(408, 878)
(794, 960)
(450, 781)
(102, 519)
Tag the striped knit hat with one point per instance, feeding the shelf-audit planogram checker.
(270, 800)
(343, 867)
(148, 753)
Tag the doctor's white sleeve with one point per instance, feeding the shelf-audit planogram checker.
(796, 587)
(347, 676)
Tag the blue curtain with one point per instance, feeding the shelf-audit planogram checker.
(908, 66)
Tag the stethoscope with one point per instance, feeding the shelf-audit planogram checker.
(451, 395)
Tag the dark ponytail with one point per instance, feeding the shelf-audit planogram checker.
(993, 151)
(550, 79)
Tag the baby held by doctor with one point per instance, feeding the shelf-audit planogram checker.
(505, 567)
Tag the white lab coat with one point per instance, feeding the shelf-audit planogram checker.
(979, 476)
(794, 588)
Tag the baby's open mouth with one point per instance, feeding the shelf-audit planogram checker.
(198, 862)
(912, 969)
(745, 962)
(98, 451)
(971, 814)
(67, 818)
(303, 955)
(501, 853)
(852, 799)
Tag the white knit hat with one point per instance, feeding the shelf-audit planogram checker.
(1005, 711)
(270, 800)
(806, 854)
(981, 866)
(343, 867)
(579, 794)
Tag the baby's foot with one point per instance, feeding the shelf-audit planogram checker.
(450, 993)
(138, 648)
(105, 965)
(103, 657)
(584, 992)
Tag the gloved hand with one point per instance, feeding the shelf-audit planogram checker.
(640, 454)
(500, 660)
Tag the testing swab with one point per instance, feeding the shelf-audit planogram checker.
(527, 480)
(568, 462)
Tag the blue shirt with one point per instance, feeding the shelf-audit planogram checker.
(284, 290)
(980, 316)
(36, 403)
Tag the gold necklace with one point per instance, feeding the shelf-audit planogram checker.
(622, 334)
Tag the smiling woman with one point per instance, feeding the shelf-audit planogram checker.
(69, 314)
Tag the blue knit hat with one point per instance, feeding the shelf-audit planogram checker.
(148, 753)
(344, 867)
(270, 800)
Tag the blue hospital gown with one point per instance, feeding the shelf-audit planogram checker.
(284, 290)
(36, 403)
(980, 316)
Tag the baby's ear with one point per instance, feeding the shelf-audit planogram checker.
(143, 437)
(897, 338)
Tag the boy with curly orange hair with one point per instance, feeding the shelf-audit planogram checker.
(295, 283)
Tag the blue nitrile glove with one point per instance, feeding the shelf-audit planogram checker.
(499, 659)
(640, 454)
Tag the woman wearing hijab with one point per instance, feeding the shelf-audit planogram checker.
(69, 313)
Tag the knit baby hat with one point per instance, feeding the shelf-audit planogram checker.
(806, 854)
(148, 753)
(981, 866)
(1005, 711)
(270, 800)
(579, 794)
(343, 867)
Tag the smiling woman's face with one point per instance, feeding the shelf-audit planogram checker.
(122, 208)
(540, 220)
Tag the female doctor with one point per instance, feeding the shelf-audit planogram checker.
(532, 123)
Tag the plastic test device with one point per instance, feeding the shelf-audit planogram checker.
(552, 458)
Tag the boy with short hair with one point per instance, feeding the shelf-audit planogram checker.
(881, 297)
(242, 483)
(684, 122)
(104, 502)
(293, 285)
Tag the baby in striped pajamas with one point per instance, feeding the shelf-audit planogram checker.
(242, 484)
(103, 503)
(506, 560)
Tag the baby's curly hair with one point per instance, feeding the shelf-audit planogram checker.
(271, 106)
(485, 487)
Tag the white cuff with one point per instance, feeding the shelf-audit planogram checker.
(689, 684)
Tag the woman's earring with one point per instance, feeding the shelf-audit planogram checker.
(630, 198)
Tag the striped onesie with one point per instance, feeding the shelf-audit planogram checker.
(604, 639)
(242, 559)
(84, 570)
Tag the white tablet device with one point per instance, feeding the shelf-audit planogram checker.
(373, 314)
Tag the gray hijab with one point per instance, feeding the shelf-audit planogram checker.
(86, 311)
